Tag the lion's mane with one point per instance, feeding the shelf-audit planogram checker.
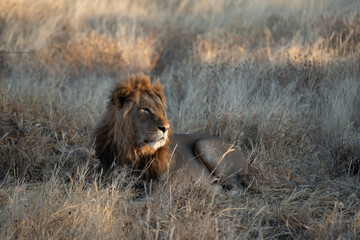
(113, 136)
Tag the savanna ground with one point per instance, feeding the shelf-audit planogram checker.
(281, 79)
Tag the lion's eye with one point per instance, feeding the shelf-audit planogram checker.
(147, 110)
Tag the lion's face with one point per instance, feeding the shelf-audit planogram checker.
(151, 127)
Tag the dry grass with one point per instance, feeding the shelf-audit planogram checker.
(278, 78)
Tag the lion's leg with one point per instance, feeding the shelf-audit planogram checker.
(223, 160)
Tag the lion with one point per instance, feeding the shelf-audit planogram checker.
(135, 131)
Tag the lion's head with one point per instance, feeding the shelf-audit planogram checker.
(135, 129)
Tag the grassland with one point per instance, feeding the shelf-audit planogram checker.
(281, 79)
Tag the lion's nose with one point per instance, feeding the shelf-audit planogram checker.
(163, 128)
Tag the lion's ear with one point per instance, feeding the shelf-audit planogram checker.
(121, 95)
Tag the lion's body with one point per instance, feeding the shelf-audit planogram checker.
(135, 131)
(196, 156)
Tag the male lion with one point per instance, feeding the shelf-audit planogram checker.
(135, 131)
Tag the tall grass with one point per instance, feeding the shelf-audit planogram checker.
(278, 78)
